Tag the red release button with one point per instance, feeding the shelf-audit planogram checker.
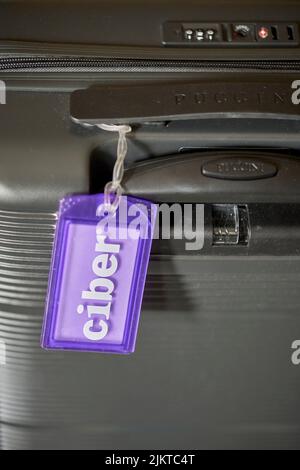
(263, 32)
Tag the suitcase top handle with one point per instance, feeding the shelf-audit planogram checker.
(166, 101)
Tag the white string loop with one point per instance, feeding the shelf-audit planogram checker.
(113, 189)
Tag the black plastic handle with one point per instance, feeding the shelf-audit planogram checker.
(228, 176)
(185, 100)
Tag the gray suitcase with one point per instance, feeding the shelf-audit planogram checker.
(216, 360)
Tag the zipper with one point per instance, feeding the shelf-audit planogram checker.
(96, 64)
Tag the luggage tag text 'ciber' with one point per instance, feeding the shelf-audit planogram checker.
(99, 266)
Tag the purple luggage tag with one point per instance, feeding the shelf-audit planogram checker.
(98, 273)
(99, 266)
